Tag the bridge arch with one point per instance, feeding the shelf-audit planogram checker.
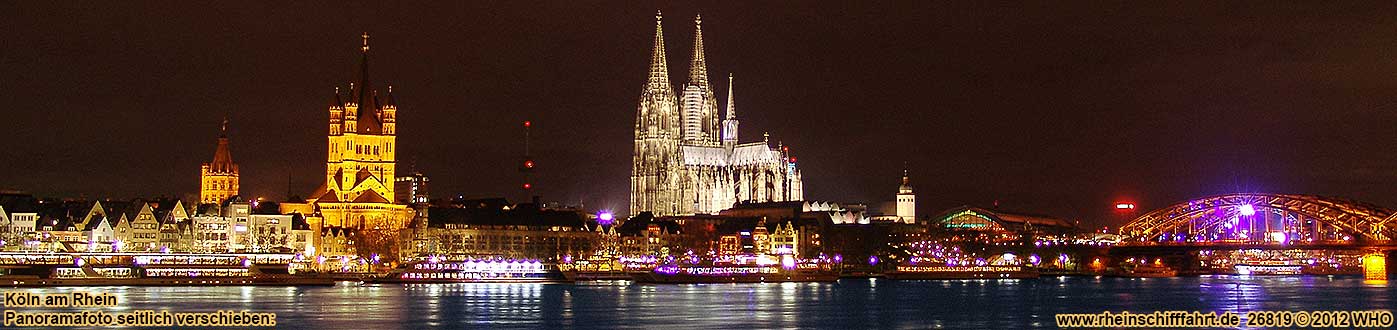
(1303, 217)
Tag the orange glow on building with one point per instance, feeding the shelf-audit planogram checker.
(1375, 267)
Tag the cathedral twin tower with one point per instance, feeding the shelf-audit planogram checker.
(687, 161)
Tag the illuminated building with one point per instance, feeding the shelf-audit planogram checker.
(785, 240)
(337, 241)
(488, 229)
(1375, 267)
(360, 166)
(218, 180)
(411, 189)
(176, 229)
(761, 239)
(684, 163)
(906, 201)
(144, 230)
(986, 225)
(99, 235)
(903, 210)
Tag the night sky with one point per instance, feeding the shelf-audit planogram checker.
(1060, 108)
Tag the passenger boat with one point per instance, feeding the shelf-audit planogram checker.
(605, 269)
(154, 270)
(473, 271)
(741, 269)
(1269, 267)
(909, 272)
(733, 274)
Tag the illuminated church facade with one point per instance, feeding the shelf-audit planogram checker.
(686, 160)
(360, 164)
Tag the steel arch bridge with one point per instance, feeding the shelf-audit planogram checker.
(1257, 217)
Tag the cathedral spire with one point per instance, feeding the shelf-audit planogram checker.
(659, 68)
(732, 110)
(698, 67)
(730, 121)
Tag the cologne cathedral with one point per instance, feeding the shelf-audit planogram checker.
(686, 160)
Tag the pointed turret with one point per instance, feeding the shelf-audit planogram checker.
(390, 113)
(730, 121)
(336, 113)
(906, 187)
(222, 159)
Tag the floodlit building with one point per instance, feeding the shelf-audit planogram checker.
(688, 162)
(360, 162)
(487, 229)
(218, 179)
(986, 225)
(412, 188)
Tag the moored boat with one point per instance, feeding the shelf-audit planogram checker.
(154, 274)
(734, 274)
(1268, 268)
(473, 271)
(960, 272)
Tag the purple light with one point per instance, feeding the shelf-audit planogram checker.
(1247, 210)
(872, 260)
(605, 218)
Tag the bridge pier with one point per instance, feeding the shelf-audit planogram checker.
(1375, 265)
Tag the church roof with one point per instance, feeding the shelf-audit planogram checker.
(222, 158)
(370, 196)
(704, 156)
(754, 153)
(328, 197)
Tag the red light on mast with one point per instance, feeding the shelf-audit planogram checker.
(528, 164)
(528, 186)
(527, 123)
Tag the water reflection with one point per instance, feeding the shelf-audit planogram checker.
(844, 304)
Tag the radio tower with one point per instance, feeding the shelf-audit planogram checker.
(527, 166)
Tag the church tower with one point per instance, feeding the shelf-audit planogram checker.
(218, 180)
(361, 162)
(700, 107)
(655, 171)
(906, 200)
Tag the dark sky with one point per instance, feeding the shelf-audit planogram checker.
(1050, 107)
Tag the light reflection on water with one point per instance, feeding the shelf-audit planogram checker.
(852, 304)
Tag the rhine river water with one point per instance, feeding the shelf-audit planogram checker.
(849, 303)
